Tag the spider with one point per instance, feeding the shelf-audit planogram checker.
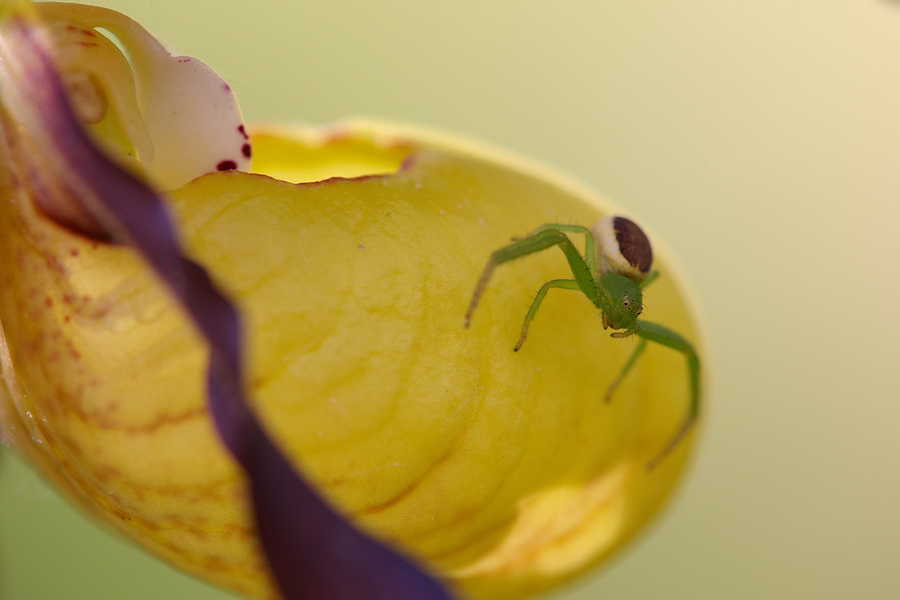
(612, 274)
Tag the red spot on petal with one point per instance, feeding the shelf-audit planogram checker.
(227, 165)
(243, 132)
(245, 150)
(86, 32)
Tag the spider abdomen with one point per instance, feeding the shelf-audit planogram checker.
(621, 246)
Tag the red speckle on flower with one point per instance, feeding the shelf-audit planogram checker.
(245, 150)
(243, 132)
(227, 165)
(86, 32)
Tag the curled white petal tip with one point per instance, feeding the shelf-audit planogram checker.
(191, 122)
(193, 119)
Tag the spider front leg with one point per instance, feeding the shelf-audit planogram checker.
(638, 350)
(664, 336)
(541, 240)
(589, 254)
(566, 284)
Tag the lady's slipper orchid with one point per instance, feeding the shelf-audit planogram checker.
(184, 381)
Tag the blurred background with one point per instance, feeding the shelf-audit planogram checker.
(760, 140)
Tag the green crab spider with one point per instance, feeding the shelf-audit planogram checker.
(612, 273)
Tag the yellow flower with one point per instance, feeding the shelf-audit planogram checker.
(350, 253)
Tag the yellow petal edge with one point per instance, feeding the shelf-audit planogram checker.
(503, 472)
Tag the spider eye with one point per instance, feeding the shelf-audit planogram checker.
(631, 305)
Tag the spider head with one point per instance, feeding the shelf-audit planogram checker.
(624, 304)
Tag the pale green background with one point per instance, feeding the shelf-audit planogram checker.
(760, 139)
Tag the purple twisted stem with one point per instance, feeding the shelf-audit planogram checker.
(314, 554)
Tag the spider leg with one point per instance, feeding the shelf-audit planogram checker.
(653, 332)
(580, 230)
(650, 278)
(566, 284)
(541, 240)
(625, 368)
